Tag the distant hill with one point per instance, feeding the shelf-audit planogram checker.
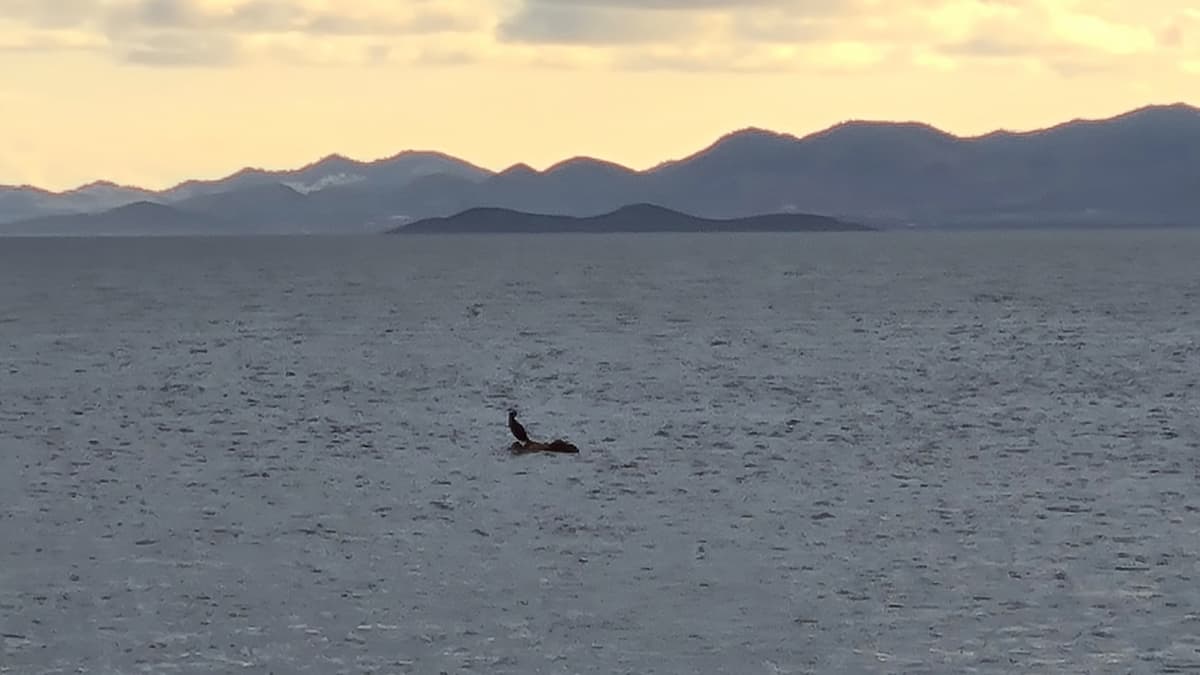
(633, 218)
(336, 170)
(18, 202)
(138, 218)
(1138, 168)
(1143, 166)
(24, 202)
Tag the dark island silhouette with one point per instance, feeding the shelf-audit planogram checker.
(633, 218)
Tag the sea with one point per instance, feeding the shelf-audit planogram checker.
(888, 452)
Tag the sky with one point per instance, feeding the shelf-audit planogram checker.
(152, 92)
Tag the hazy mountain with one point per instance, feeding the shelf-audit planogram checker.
(578, 186)
(28, 202)
(633, 218)
(102, 195)
(855, 167)
(19, 203)
(1142, 167)
(138, 218)
(336, 170)
(256, 209)
(1144, 164)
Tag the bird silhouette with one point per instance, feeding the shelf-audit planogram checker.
(515, 427)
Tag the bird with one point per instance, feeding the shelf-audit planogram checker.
(515, 427)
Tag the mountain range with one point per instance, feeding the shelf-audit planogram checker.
(1138, 168)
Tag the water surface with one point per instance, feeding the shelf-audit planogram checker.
(918, 453)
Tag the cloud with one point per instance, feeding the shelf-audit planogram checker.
(621, 22)
(719, 35)
(290, 16)
(446, 57)
(843, 57)
(223, 32)
(182, 49)
(593, 24)
(1096, 33)
(1067, 36)
(658, 5)
(1180, 31)
(44, 14)
(1061, 37)
(53, 40)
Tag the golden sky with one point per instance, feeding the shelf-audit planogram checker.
(151, 92)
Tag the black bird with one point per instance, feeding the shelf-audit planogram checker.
(515, 427)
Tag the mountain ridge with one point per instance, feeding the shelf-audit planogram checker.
(1175, 107)
(1138, 167)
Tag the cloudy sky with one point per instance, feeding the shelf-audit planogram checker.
(154, 91)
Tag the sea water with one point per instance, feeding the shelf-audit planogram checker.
(833, 453)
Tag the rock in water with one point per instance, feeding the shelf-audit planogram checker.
(557, 445)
